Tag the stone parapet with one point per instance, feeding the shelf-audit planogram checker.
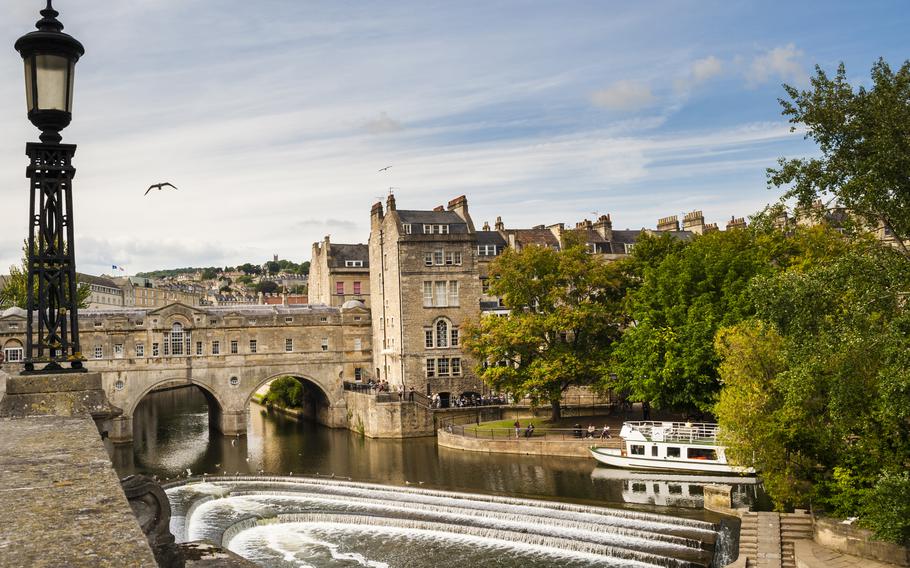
(527, 446)
(845, 538)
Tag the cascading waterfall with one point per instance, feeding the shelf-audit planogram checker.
(309, 522)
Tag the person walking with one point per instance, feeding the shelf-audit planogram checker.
(411, 395)
(517, 429)
(400, 392)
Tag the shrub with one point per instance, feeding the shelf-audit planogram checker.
(888, 508)
(285, 391)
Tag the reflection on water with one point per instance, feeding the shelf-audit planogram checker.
(171, 436)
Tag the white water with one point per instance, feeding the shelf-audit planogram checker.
(303, 522)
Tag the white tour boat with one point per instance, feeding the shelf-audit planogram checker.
(668, 445)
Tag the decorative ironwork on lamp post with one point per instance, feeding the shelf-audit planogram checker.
(50, 58)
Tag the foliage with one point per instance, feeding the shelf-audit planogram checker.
(684, 293)
(887, 511)
(246, 280)
(210, 273)
(15, 289)
(286, 392)
(272, 267)
(862, 134)
(267, 287)
(248, 268)
(817, 387)
(564, 317)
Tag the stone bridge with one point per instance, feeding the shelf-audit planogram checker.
(229, 353)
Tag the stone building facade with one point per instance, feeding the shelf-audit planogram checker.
(105, 293)
(339, 273)
(425, 285)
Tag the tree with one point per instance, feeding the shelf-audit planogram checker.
(564, 316)
(286, 392)
(685, 293)
(817, 388)
(273, 267)
(267, 287)
(864, 138)
(210, 273)
(15, 291)
(248, 268)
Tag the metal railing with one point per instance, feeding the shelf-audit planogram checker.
(685, 432)
(472, 431)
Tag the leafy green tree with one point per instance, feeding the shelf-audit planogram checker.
(15, 290)
(210, 273)
(286, 392)
(248, 268)
(564, 317)
(863, 137)
(817, 390)
(686, 292)
(267, 287)
(304, 268)
(273, 267)
(246, 280)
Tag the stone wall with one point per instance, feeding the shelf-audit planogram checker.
(526, 446)
(832, 533)
(369, 415)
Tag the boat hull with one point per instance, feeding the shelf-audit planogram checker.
(614, 458)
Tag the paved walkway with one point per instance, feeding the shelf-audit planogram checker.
(811, 555)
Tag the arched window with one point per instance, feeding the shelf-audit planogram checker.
(442, 333)
(177, 339)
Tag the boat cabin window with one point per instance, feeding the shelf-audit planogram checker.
(701, 454)
(637, 450)
(654, 451)
(639, 488)
(672, 452)
(695, 490)
(656, 488)
(674, 489)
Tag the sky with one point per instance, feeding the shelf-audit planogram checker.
(273, 118)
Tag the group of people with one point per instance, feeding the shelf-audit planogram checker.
(529, 430)
(468, 400)
(591, 432)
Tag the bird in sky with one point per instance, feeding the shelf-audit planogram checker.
(384, 169)
(158, 186)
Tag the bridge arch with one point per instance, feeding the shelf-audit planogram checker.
(295, 374)
(210, 393)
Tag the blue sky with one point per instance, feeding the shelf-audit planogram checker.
(273, 117)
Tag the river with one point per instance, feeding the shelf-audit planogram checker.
(172, 439)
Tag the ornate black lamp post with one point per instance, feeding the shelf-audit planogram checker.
(50, 58)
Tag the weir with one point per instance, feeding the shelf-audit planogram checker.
(322, 518)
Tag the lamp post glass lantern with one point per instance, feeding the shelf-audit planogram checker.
(52, 337)
(50, 58)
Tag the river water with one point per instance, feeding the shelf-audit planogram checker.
(352, 477)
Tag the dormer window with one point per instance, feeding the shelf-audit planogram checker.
(435, 229)
(407, 228)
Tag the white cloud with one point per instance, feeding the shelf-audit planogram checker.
(384, 124)
(624, 95)
(700, 71)
(779, 63)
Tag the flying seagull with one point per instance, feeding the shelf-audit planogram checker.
(158, 186)
(384, 169)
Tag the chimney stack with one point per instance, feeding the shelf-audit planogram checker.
(670, 223)
(694, 222)
(500, 226)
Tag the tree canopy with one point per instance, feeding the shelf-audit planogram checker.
(15, 290)
(564, 314)
(817, 386)
(864, 139)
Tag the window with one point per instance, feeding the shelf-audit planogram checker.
(216, 348)
(234, 347)
(154, 349)
(453, 293)
(431, 367)
(440, 293)
(485, 285)
(428, 229)
(672, 452)
(13, 354)
(325, 344)
(323, 319)
(442, 367)
(138, 322)
(427, 294)
(358, 374)
(654, 451)
(407, 228)
(442, 332)
(99, 352)
(453, 258)
(701, 454)
(356, 288)
(454, 341)
(288, 345)
(428, 341)
(213, 322)
(140, 350)
(358, 344)
(353, 263)
(456, 367)
(435, 229)
(438, 258)
(428, 259)
(288, 320)
(253, 346)
(118, 350)
(636, 450)
(198, 348)
(339, 288)
(487, 250)
(639, 487)
(176, 340)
